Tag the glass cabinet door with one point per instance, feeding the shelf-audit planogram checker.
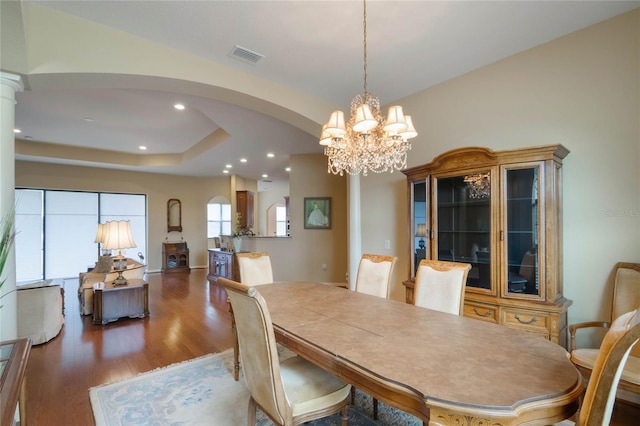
(522, 230)
(420, 240)
(463, 217)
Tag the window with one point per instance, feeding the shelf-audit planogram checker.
(55, 230)
(218, 220)
(281, 221)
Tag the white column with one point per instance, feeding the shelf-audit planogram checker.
(355, 230)
(9, 85)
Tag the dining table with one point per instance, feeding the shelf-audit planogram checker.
(444, 369)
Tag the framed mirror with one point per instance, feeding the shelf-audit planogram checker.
(174, 215)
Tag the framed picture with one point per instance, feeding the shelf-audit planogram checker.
(317, 212)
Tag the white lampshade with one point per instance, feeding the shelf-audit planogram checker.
(335, 126)
(325, 137)
(101, 233)
(422, 230)
(396, 122)
(410, 132)
(118, 235)
(364, 119)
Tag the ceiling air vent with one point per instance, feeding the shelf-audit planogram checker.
(245, 54)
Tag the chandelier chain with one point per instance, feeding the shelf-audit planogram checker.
(364, 43)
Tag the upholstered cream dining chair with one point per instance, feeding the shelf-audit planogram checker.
(290, 392)
(374, 278)
(626, 297)
(255, 268)
(599, 398)
(374, 275)
(440, 285)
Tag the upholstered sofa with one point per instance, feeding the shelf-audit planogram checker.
(40, 311)
(104, 272)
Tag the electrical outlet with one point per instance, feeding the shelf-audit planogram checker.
(324, 266)
(387, 244)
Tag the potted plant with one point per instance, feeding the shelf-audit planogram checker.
(7, 237)
(240, 232)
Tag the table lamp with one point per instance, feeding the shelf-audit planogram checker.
(101, 234)
(118, 237)
(421, 232)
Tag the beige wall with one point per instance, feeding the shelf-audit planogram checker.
(582, 91)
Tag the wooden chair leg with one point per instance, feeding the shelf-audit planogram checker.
(251, 412)
(345, 415)
(375, 409)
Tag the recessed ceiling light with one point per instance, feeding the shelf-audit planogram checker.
(243, 160)
(88, 119)
(179, 106)
(28, 137)
(142, 147)
(270, 154)
(17, 131)
(265, 175)
(228, 166)
(288, 169)
(225, 171)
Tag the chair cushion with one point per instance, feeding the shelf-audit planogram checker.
(587, 358)
(309, 388)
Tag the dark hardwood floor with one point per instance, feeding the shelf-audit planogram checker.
(189, 318)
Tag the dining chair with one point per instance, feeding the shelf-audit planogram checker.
(255, 268)
(374, 274)
(626, 297)
(440, 285)
(289, 392)
(374, 278)
(600, 395)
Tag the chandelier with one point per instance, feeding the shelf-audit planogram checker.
(367, 142)
(479, 185)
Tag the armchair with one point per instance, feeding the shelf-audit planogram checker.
(104, 272)
(626, 297)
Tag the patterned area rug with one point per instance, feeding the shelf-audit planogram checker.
(202, 392)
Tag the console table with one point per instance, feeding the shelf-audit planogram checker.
(111, 303)
(14, 355)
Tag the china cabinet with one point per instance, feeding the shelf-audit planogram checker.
(500, 211)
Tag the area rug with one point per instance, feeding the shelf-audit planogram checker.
(202, 391)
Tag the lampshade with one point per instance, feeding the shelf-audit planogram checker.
(410, 132)
(422, 230)
(365, 120)
(118, 235)
(101, 233)
(336, 126)
(325, 137)
(396, 122)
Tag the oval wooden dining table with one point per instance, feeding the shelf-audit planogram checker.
(445, 369)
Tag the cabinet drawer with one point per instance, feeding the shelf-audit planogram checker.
(533, 321)
(482, 312)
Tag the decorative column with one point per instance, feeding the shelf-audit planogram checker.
(355, 229)
(9, 85)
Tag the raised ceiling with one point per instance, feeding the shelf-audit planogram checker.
(311, 47)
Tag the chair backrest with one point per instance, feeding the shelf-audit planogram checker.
(374, 274)
(626, 292)
(258, 349)
(255, 268)
(599, 397)
(440, 285)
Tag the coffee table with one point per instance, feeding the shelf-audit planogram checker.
(111, 303)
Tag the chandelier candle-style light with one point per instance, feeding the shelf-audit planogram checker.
(367, 141)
